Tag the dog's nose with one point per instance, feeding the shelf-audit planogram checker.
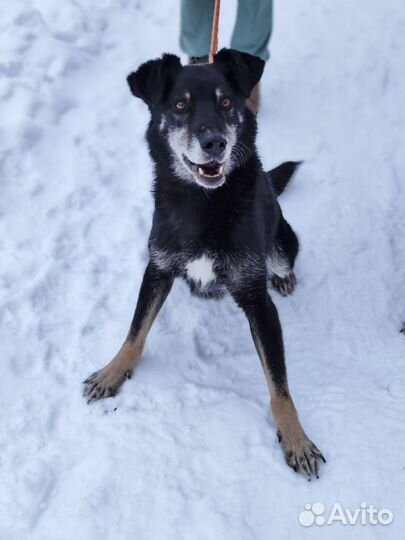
(213, 143)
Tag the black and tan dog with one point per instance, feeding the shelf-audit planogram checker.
(217, 223)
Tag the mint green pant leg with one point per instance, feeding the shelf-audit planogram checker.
(253, 27)
(196, 25)
(251, 33)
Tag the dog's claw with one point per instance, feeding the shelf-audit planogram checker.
(90, 378)
(111, 392)
(104, 383)
(303, 457)
(284, 285)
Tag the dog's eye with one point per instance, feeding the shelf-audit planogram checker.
(226, 104)
(180, 106)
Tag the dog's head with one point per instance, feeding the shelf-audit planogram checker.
(200, 110)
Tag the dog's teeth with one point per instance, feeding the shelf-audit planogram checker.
(207, 175)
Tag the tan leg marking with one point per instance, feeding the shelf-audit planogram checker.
(300, 452)
(107, 381)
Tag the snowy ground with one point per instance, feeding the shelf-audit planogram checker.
(188, 449)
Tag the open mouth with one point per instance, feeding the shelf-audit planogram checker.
(211, 171)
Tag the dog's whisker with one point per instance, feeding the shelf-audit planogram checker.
(240, 155)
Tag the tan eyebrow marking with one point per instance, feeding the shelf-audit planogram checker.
(219, 93)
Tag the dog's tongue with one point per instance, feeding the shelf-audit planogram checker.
(211, 168)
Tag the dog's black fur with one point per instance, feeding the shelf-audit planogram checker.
(217, 222)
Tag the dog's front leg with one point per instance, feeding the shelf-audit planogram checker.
(300, 452)
(154, 290)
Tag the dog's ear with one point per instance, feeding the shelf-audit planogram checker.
(243, 70)
(153, 79)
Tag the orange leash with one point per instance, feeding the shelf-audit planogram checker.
(214, 34)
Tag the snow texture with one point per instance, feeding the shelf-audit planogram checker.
(188, 449)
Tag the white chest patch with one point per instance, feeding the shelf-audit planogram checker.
(200, 270)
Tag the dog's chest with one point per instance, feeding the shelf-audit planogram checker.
(201, 271)
(201, 276)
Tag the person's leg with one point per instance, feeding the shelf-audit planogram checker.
(254, 22)
(253, 27)
(196, 24)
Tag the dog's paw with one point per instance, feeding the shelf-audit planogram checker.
(302, 455)
(284, 285)
(104, 383)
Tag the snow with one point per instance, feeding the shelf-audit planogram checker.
(188, 449)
